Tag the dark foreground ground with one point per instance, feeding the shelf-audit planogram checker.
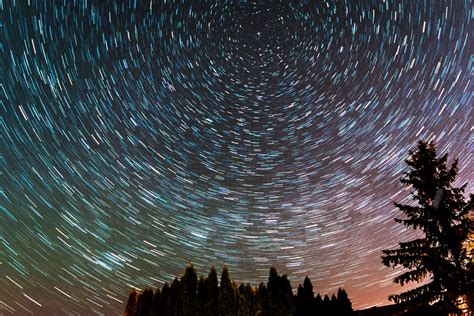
(393, 310)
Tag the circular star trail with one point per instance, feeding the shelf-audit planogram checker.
(138, 136)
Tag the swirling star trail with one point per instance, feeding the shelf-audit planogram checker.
(138, 136)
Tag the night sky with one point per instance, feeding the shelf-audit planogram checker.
(142, 135)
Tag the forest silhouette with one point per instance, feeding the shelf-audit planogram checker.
(441, 261)
(190, 295)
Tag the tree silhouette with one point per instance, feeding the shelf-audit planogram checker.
(165, 299)
(305, 298)
(188, 291)
(144, 302)
(345, 305)
(173, 301)
(301, 309)
(326, 305)
(243, 304)
(334, 305)
(202, 299)
(227, 297)
(250, 293)
(261, 298)
(189, 296)
(131, 307)
(139, 303)
(318, 303)
(286, 295)
(156, 303)
(280, 297)
(442, 215)
(213, 292)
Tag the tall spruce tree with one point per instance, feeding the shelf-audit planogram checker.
(308, 296)
(227, 295)
(213, 292)
(299, 302)
(442, 214)
(250, 294)
(274, 289)
(202, 299)
(345, 305)
(326, 306)
(188, 291)
(163, 308)
(243, 304)
(131, 307)
(280, 296)
(155, 305)
(335, 305)
(174, 300)
(318, 303)
(139, 303)
(145, 302)
(262, 299)
(287, 295)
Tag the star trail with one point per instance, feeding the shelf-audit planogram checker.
(138, 136)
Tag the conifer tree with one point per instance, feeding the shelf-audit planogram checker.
(144, 302)
(227, 295)
(188, 291)
(139, 303)
(345, 305)
(306, 300)
(163, 308)
(243, 304)
(441, 213)
(261, 298)
(173, 305)
(318, 303)
(156, 303)
(299, 302)
(131, 307)
(287, 295)
(326, 306)
(273, 286)
(202, 299)
(335, 305)
(213, 292)
(249, 293)
(274, 293)
(280, 296)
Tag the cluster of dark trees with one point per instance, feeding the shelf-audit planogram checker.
(190, 295)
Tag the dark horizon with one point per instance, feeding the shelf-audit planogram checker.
(141, 136)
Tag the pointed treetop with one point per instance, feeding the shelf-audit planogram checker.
(300, 289)
(318, 298)
(326, 299)
(307, 284)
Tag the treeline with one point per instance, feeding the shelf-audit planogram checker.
(190, 295)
